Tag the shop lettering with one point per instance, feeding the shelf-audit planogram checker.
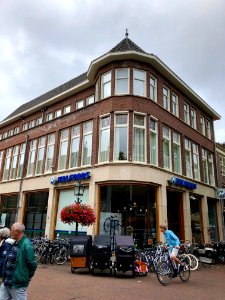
(71, 177)
(181, 182)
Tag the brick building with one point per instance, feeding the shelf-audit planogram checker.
(140, 140)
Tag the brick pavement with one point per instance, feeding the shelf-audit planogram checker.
(54, 282)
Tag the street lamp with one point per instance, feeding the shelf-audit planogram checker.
(79, 191)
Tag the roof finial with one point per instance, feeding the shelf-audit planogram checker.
(126, 33)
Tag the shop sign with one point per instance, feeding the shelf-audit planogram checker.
(71, 177)
(178, 181)
(220, 193)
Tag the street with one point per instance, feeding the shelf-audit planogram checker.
(57, 282)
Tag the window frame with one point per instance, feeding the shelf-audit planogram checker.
(123, 79)
(136, 80)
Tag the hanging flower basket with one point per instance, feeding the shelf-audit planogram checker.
(78, 213)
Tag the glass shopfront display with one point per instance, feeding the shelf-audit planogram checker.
(8, 208)
(129, 209)
(213, 226)
(196, 220)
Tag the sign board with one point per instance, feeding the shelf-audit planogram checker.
(178, 181)
(71, 177)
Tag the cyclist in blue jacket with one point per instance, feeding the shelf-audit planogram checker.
(174, 245)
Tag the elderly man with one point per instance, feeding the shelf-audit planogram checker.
(20, 266)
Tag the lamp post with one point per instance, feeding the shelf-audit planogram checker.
(78, 193)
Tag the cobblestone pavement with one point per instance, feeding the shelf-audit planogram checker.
(55, 282)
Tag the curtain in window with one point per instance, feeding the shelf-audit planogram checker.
(139, 144)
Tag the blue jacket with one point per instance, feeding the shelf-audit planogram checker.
(5, 247)
(171, 239)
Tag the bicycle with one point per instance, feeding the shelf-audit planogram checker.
(185, 251)
(165, 270)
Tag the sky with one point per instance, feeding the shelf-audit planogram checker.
(44, 44)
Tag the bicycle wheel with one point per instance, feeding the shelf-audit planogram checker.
(107, 224)
(193, 262)
(186, 272)
(164, 272)
(60, 256)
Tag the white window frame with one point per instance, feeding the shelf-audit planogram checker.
(87, 131)
(139, 80)
(211, 169)
(153, 132)
(25, 127)
(175, 105)
(186, 113)
(136, 154)
(90, 100)
(195, 159)
(64, 140)
(32, 158)
(205, 166)
(193, 118)
(106, 80)
(122, 78)
(31, 124)
(40, 152)
(49, 117)
(75, 136)
(66, 109)
(104, 127)
(187, 146)
(6, 172)
(202, 125)
(58, 113)
(208, 129)
(177, 144)
(49, 160)
(39, 121)
(80, 104)
(21, 160)
(153, 88)
(166, 98)
(222, 164)
(167, 139)
(120, 125)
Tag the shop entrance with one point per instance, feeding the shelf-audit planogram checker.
(175, 213)
(129, 209)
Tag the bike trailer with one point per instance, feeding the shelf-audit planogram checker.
(101, 253)
(125, 254)
(80, 251)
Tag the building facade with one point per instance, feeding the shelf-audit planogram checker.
(138, 138)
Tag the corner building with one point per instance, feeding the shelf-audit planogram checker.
(140, 140)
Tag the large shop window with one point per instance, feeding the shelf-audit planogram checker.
(66, 197)
(196, 219)
(213, 226)
(35, 214)
(8, 207)
(129, 209)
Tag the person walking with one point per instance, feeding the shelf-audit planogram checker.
(19, 267)
(173, 243)
(5, 246)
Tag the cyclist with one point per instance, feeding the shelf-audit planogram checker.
(173, 243)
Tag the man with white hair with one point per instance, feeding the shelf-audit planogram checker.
(19, 267)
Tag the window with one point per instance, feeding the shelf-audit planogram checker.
(39, 121)
(32, 157)
(66, 109)
(166, 148)
(40, 155)
(175, 105)
(121, 137)
(104, 139)
(58, 113)
(75, 146)
(1, 160)
(193, 118)
(63, 149)
(32, 124)
(49, 117)
(208, 129)
(5, 135)
(50, 153)
(139, 138)
(79, 104)
(166, 98)
(25, 127)
(21, 160)
(7, 164)
(16, 130)
(205, 166)
(14, 162)
(202, 125)
(153, 88)
(139, 83)
(106, 85)
(90, 100)
(176, 153)
(153, 142)
(122, 81)
(196, 161)
(188, 161)
(87, 143)
(222, 164)
(97, 90)
(211, 169)
(0, 136)
(10, 132)
(186, 114)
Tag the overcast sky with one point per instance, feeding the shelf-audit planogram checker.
(45, 43)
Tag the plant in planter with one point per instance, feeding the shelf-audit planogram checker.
(78, 213)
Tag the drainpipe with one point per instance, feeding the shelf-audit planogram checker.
(21, 180)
